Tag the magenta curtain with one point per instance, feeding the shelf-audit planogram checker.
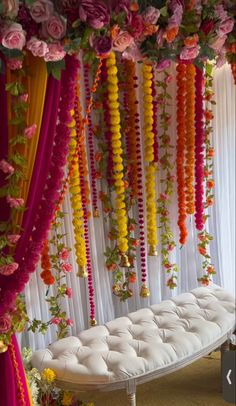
(39, 176)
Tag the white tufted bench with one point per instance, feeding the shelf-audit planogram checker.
(146, 344)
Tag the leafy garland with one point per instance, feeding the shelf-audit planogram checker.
(204, 237)
(57, 260)
(167, 181)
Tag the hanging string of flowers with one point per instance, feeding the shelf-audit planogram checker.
(204, 237)
(76, 203)
(190, 138)
(91, 144)
(180, 150)
(58, 260)
(199, 151)
(131, 120)
(134, 132)
(167, 181)
(155, 114)
(117, 150)
(149, 159)
(46, 265)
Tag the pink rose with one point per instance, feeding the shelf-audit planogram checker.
(24, 97)
(10, 7)
(94, 13)
(66, 268)
(15, 202)
(225, 27)
(54, 27)
(41, 10)
(220, 12)
(13, 238)
(69, 292)
(56, 320)
(69, 322)
(14, 63)
(55, 52)
(30, 131)
(64, 254)
(8, 269)
(5, 323)
(189, 53)
(137, 25)
(6, 167)
(164, 64)
(151, 15)
(13, 36)
(218, 43)
(132, 53)
(122, 41)
(37, 47)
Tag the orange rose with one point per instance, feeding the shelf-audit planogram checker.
(210, 183)
(171, 33)
(211, 153)
(191, 41)
(202, 250)
(208, 115)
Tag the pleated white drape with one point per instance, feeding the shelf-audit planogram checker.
(221, 225)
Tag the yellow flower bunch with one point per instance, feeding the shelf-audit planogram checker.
(76, 199)
(48, 375)
(149, 157)
(118, 168)
(67, 399)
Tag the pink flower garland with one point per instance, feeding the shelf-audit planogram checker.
(91, 144)
(85, 218)
(15, 283)
(199, 151)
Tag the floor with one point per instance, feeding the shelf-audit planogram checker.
(199, 384)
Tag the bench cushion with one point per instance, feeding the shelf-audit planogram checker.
(143, 341)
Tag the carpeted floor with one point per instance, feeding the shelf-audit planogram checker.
(196, 385)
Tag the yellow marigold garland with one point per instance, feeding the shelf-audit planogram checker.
(76, 200)
(149, 158)
(118, 168)
(190, 138)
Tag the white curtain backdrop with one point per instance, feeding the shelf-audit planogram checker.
(221, 225)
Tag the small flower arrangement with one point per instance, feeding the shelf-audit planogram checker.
(43, 386)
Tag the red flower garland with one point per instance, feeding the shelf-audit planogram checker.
(199, 151)
(91, 144)
(181, 134)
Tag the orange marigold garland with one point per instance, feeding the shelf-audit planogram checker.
(150, 169)
(180, 152)
(204, 237)
(118, 168)
(190, 138)
(46, 266)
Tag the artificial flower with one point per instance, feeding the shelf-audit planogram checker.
(41, 10)
(13, 36)
(48, 375)
(6, 167)
(30, 131)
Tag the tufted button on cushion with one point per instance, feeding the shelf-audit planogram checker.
(145, 341)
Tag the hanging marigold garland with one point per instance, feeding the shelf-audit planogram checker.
(155, 113)
(91, 144)
(149, 159)
(199, 151)
(166, 181)
(180, 150)
(204, 237)
(118, 168)
(46, 265)
(76, 203)
(190, 138)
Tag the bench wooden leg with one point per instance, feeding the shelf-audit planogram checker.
(131, 392)
(131, 399)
